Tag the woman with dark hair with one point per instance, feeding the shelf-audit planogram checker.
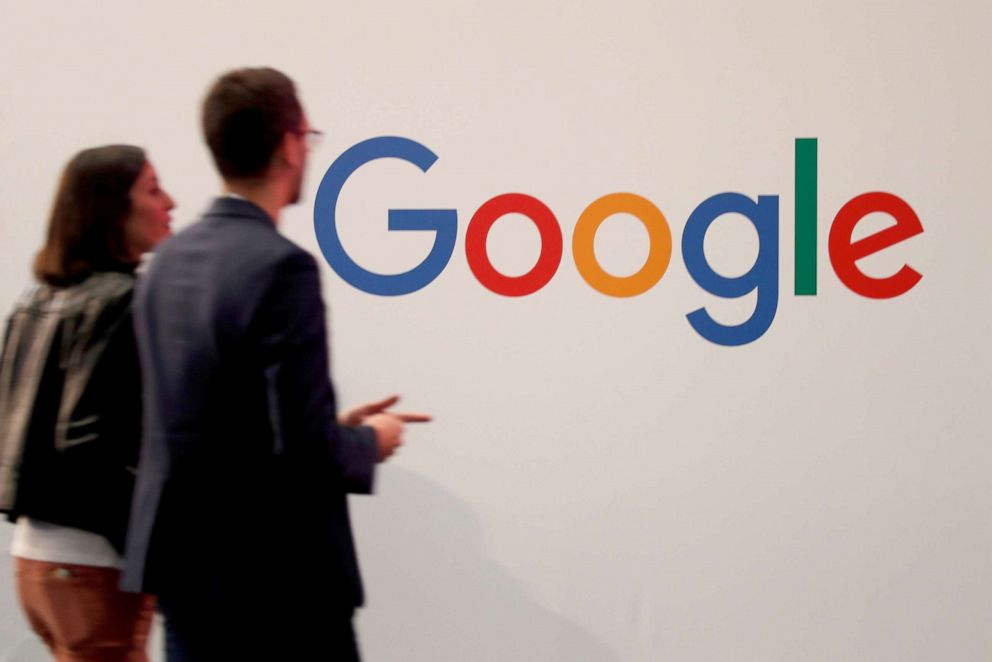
(70, 408)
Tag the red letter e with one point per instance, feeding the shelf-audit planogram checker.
(844, 253)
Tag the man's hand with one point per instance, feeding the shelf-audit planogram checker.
(388, 426)
(388, 433)
(357, 415)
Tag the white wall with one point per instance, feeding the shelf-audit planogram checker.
(601, 482)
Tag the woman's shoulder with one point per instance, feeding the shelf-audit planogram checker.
(101, 289)
(106, 285)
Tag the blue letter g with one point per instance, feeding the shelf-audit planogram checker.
(444, 222)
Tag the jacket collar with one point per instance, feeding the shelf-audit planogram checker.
(239, 208)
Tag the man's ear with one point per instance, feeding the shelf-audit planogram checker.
(290, 150)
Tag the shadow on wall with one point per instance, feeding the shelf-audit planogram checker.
(432, 593)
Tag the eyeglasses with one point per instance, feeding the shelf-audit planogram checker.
(312, 136)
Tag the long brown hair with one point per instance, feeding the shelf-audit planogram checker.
(86, 225)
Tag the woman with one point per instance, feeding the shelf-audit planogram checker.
(70, 416)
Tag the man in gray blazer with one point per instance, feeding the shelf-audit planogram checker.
(240, 518)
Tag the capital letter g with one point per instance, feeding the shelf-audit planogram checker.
(443, 222)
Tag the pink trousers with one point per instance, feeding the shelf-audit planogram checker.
(81, 615)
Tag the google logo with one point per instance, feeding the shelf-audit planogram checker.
(763, 214)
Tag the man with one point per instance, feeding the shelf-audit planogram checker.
(240, 519)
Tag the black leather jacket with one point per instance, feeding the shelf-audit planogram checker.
(70, 406)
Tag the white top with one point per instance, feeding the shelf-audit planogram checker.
(41, 541)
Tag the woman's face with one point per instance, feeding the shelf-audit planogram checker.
(148, 222)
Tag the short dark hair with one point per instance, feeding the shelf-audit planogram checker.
(86, 225)
(245, 115)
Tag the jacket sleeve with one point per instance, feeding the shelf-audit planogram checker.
(290, 326)
(101, 396)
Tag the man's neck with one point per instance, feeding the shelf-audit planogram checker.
(265, 197)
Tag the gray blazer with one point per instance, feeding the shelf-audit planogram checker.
(244, 470)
